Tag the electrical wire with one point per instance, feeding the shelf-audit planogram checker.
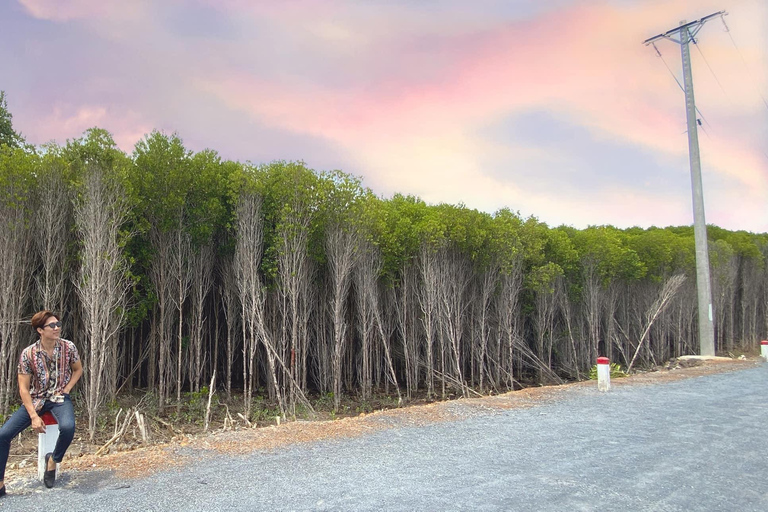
(746, 68)
(658, 53)
(710, 68)
(668, 68)
(743, 61)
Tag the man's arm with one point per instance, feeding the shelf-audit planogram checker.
(26, 400)
(77, 372)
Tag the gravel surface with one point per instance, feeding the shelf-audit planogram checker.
(684, 445)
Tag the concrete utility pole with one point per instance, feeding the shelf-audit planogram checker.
(686, 33)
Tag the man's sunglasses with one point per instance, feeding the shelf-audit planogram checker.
(52, 325)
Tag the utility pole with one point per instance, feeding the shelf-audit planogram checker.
(683, 35)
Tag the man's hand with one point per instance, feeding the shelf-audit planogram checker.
(38, 425)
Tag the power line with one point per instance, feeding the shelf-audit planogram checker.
(714, 75)
(696, 44)
(668, 68)
(746, 68)
(744, 61)
(659, 54)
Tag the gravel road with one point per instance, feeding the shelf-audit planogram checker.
(687, 445)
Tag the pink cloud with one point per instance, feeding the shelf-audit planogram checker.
(513, 66)
(69, 10)
(586, 63)
(67, 122)
(288, 10)
(57, 11)
(399, 88)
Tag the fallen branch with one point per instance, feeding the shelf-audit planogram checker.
(118, 433)
(455, 382)
(248, 423)
(533, 358)
(211, 391)
(297, 389)
(128, 377)
(117, 420)
(163, 422)
(667, 292)
(229, 422)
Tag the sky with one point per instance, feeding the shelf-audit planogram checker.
(554, 109)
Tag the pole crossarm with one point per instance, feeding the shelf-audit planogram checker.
(697, 24)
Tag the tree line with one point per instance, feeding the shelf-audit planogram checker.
(172, 268)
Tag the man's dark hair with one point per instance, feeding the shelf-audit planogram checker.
(40, 318)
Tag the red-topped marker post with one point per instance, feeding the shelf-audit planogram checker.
(46, 443)
(603, 374)
(764, 349)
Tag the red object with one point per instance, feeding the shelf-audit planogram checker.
(764, 342)
(603, 360)
(48, 419)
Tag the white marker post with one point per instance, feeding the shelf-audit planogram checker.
(46, 443)
(764, 349)
(603, 374)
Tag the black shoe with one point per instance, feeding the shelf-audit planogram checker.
(49, 477)
(2, 491)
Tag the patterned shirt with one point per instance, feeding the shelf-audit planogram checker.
(49, 375)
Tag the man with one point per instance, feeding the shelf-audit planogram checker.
(48, 370)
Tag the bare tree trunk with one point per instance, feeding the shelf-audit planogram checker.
(385, 334)
(546, 301)
(592, 306)
(508, 314)
(52, 221)
(455, 277)
(248, 252)
(489, 282)
(366, 277)
(764, 294)
(202, 268)
(610, 300)
(571, 362)
(322, 349)
(102, 281)
(307, 302)
(340, 250)
(180, 255)
(294, 274)
(428, 302)
(160, 273)
(214, 336)
(724, 276)
(229, 294)
(402, 301)
(752, 285)
(15, 245)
